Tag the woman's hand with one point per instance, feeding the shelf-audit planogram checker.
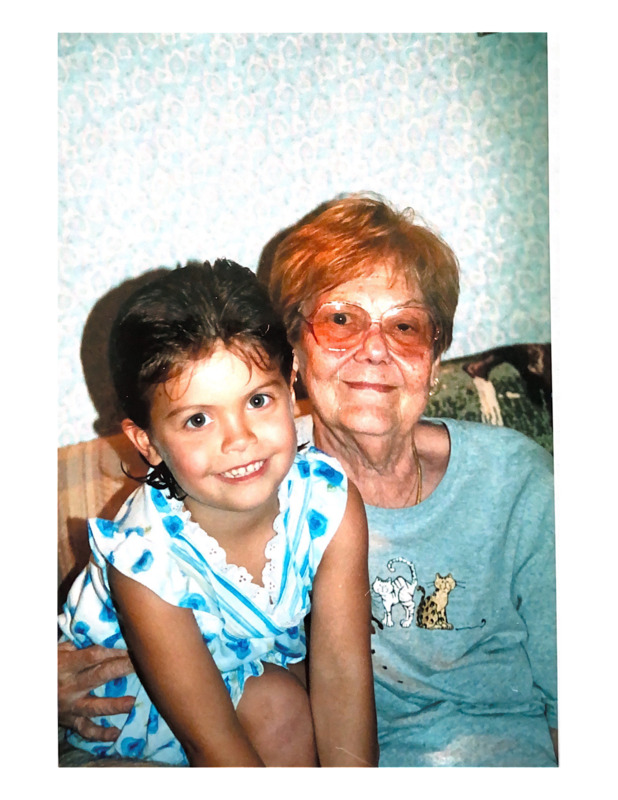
(80, 671)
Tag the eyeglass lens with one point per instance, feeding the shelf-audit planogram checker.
(339, 326)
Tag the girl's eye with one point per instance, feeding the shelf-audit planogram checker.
(198, 420)
(259, 400)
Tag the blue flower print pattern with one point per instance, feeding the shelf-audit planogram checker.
(326, 471)
(195, 601)
(107, 527)
(116, 688)
(241, 647)
(304, 469)
(285, 651)
(138, 530)
(173, 525)
(143, 563)
(81, 628)
(112, 640)
(132, 748)
(158, 498)
(153, 721)
(317, 523)
(80, 631)
(107, 613)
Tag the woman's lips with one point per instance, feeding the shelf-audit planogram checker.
(245, 472)
(367, 386)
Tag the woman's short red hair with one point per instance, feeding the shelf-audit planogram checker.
(346, 238)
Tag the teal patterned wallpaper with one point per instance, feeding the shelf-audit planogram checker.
(183, 146)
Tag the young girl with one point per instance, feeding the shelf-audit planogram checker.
(210, 567)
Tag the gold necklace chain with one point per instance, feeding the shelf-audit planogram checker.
(419, 473)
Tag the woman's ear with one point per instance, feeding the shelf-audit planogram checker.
(294, 375)
(140, 439)
(435, 369)
(434, 378)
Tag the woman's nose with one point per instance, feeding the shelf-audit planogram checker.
(237, 434)
(373, 347)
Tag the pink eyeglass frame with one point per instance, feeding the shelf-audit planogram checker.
(342, 304)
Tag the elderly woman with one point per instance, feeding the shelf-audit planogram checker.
(460, 515)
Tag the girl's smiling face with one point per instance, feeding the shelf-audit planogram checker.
(225, 429)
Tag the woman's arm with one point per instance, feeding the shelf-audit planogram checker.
(180, 676)
(553, 732)
(340, 671)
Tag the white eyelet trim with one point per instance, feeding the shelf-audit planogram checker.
(238, 575)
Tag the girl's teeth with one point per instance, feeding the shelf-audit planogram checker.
(241, 472)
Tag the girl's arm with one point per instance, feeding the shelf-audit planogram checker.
(180, 676)
(340, 671)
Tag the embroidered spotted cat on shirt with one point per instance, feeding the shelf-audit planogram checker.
(431, 612)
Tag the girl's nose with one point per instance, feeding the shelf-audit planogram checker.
(237, 434)
(373, 347)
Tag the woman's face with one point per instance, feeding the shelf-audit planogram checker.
(367, 389)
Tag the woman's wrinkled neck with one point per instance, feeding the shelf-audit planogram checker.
(383, 467)
(378, 465)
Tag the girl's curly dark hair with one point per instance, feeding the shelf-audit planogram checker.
(180, 318)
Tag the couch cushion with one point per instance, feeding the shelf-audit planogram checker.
(91, 483)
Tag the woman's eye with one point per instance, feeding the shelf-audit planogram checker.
(340, 318)
(259, 400)
(198, 420)
(406, 327)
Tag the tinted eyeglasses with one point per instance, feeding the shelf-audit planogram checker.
(342, 326)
